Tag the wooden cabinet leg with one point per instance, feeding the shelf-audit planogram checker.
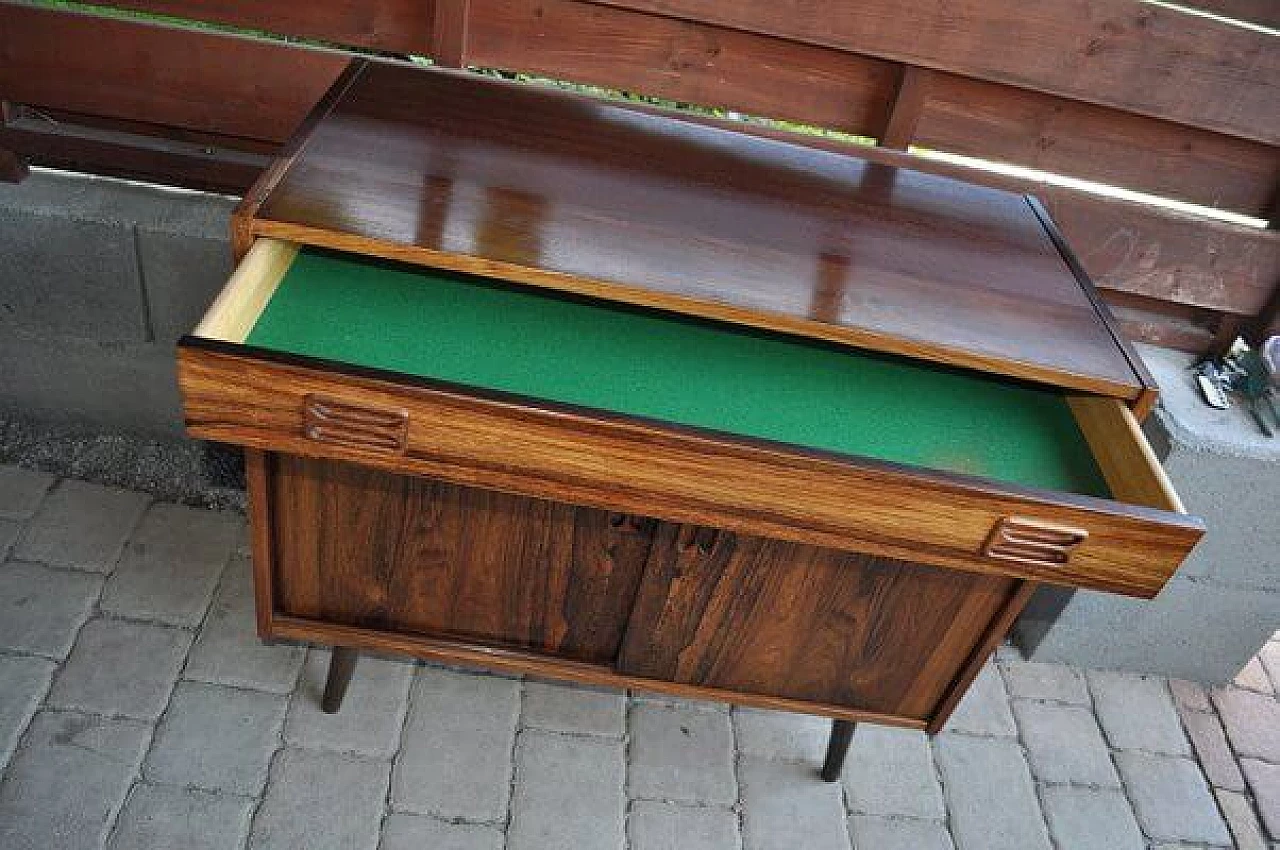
(342, 664)
(837, 748)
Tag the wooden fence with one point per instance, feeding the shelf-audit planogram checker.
(1136, 94)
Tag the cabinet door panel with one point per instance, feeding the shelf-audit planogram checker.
(762, 616)
(362, 547)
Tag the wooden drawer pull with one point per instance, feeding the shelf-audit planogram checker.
(339, 423)
(1032, 542)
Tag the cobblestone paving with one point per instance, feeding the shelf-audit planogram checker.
(138, 710)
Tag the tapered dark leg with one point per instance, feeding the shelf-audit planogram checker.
(342, 663)
(837, 748)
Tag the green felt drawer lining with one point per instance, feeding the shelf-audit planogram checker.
(695, 373)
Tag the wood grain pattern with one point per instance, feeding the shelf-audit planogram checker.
(530, 448)
(257, 485)
(1134, 56)
(400, 26)
(683, 61)
(517, 661)
(365, 548)
(753, 615)
(236, 309)
(672, 215)
(1132, 470)
(996, 632)
(1124, 246)
(1002, 124)
(915, 86)
(211, 83)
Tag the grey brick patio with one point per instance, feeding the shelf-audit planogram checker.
(137, 710)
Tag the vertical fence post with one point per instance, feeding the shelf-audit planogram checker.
(449, 33)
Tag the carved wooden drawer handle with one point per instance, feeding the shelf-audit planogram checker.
(1032, 542)
(327, 420)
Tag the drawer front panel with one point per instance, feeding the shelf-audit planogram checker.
(632, 466)
(361, 547)
(752, 615)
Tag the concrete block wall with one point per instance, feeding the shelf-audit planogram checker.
(98, 279)
(1224, 603)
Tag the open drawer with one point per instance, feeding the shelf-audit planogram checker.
(477, 383)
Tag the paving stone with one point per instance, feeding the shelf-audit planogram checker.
(1253, 677)
(423, 832)
(121, 668)
(681, 754)
(158, 817)
(1241, 820)
(985, 708)
(1064, 744)
(21, 491)
(1252, 722)
(1090, 819)
(568, 793)
(1269, 655)
(321, 801)
(574, 708)
(229, 651)
(785, 805)
(68, 781)
(643, 696)
(1191, 696)
(1037, 680)
(781, 735)
(41, 610)
(82, 526)
(890, 772)
(1137, 713)
(456, 757)
(216, 738)
(1171, 799)
(877, 833)
(655, 825)
(372, 714)
(1264, 782)
(23, 683)
(1212, 751)
(171, 565)
(990, 794)
(9, 531)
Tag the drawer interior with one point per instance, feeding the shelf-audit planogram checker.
(532, 343)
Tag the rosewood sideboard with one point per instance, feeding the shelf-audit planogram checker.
(551, 385)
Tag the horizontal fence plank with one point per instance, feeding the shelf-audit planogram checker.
(1005, 124)
(185, 78)
(1139, 57)
(135, 151)
(399, 26)
(682, 61)
(1264, 12)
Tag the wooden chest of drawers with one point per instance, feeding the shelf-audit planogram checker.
(553, 386)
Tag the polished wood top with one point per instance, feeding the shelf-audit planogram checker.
(468, 173)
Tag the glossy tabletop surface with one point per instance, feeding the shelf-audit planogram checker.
(541, 187)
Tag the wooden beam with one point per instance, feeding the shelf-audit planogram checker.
(395, 26)
(449, 33)
(684, 62)
(1005, 124)
(135, 151)
(913, 90)
(191, 79)
(1139, 57)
